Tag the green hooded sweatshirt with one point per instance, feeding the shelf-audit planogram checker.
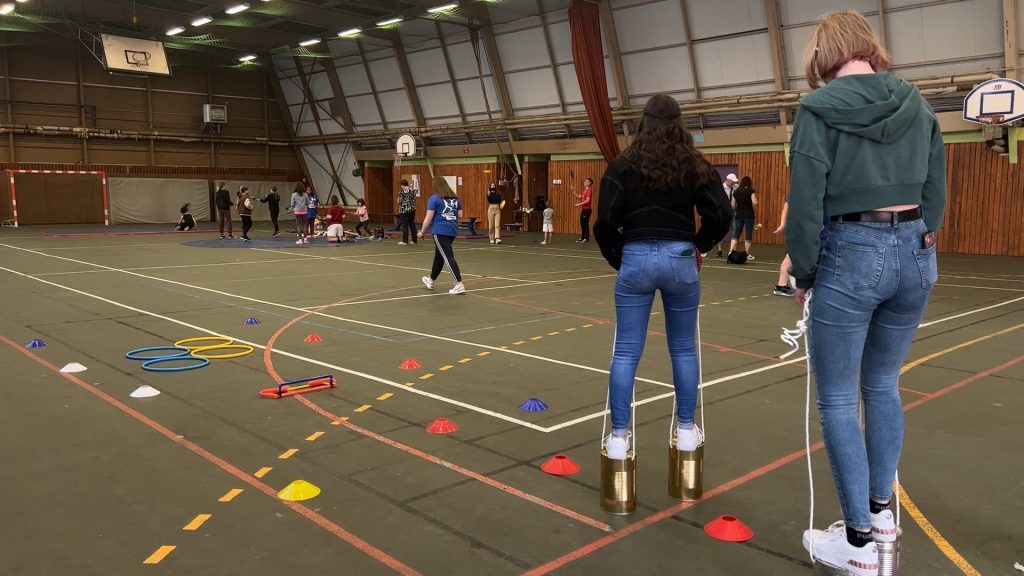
(861, 142)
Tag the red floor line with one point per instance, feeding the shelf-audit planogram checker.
(310, 515)
(596, 545)
(912, 391)
(269, 363)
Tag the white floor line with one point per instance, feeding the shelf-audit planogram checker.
(985, 278)
(208, 264)
(1000, 288)
(970, 312)
(364, 375)
(349, 320)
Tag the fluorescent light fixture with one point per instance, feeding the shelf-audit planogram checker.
(6, 8)
(390, 21)
(437, 9)
(309, 42)
(176, 30)
(202, 20)
(349, 32)
(237, 8)
(247, 58)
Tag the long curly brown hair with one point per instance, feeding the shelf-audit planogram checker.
(663, 151)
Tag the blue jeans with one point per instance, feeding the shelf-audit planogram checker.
(742, 224)
(869, 296)
(647, 266)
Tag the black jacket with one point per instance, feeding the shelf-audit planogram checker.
(222, 199)
(628, 210)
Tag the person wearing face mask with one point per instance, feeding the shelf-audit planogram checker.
(494, 214)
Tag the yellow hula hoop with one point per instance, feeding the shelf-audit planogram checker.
(185, 343)
(200, 351)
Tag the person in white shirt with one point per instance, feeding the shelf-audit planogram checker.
(549, 224)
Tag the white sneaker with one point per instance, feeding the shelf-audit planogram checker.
(750, 258)
(883, 526)
(299, 241)
(831, 548)
(497, 240)
(305, 240)
(617, 447)
(687, 440)
(491, 241)
(459, 288)
(543, 243)
(403, 243)
(428, 282)
(704, 255)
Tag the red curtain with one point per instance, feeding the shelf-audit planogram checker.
(588, 59)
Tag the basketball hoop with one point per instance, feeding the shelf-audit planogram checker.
(990, 118)
(405, 147)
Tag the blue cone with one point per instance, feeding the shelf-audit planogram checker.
(35, 344)
(251, 321)
(533, 405)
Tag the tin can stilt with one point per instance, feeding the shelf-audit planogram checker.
(889, 556)
(685, 472)
(618, 484)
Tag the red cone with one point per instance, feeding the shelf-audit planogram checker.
(410, 364)
(313, 337)
(442, 426)
(560, 465)
(728, 529)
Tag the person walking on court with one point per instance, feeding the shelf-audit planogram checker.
(245, 206)
(273, 202)
(444, 212)
(494, 214)
(585, 205)
(728, 187)
(222, 200)
(299, 206)
(407, 212)
(744, 202)
(645, 228)
(364, 218)
(879, 179)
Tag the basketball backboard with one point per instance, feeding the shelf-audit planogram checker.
(406, 145)
(122, 54)
(997, 101)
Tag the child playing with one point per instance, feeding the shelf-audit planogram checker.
(549, 224)
(335, 228)
(364, 218)
(299, 207)
(187, 222)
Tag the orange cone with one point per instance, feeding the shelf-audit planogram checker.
(442, 426)
(410, 364)
(312, 338)
(560, 465)
(728, 529)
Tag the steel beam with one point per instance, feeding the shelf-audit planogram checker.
(272, 79)
(690, 55)
(1011, 50)
(339, 96)
(771, 11)
(611, 41)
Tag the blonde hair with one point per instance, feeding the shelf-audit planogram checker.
(840, 37)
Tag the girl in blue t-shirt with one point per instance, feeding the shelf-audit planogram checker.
(444, 206)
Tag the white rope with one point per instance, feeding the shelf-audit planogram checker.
(607, 408)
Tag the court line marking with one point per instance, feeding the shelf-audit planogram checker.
(230, 495)
(936, 537)
(262, 472)
(172, 267)
(982, 287)
(309, 514)
(312, 437)
(159, 555)
(197, 522)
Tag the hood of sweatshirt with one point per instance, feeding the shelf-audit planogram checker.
(879, 107)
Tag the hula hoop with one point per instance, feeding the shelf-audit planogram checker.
(136, 354)
(183, 343)
(200, 352)
(149, 364)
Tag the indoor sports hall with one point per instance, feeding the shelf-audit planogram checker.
(231, 344)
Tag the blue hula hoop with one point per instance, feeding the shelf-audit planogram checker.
(135, 354)
(149, 364)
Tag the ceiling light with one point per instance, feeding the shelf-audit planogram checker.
(237, 8)
(176, 30)
(349, 32)
(6, 8)
(437, 9)
(389, 21)
(309, 42)
(247, 58)
(202, 20)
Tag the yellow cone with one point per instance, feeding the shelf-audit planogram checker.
(298, 491)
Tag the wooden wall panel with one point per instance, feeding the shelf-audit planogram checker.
(379, 193)
(6, 212)
(567, 217)
(59, 199)
(769, 175)
(984, 213)
(472, 192)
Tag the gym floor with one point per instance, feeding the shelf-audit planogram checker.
(98, 482)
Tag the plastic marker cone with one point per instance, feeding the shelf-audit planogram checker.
(728, 529)
(73, 368)
(145, 392)
(298, 491)
(560, 465)
(533, 405)
(35, 344)
(442, 426)
(313, 337)
(252, 321)
(410, 364)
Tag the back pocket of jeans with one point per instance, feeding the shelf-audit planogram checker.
(684, 268)
(859, 267)
(631, 272)
(929, 267)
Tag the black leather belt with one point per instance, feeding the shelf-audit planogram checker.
(880, 217)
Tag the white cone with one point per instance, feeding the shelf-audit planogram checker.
(145, 392)
(73, 367)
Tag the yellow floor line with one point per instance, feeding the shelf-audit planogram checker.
(288, 454)
(230, 495)
(464, 360)
(536, 338)
(263, 472)
(944, 546)
(446, 367)
(385, 396)
(569, 330)
(363, 408)
(553, 333)
(339, 421)
(410, 383)
(159, 555)
(312, 437)
(924, 359)
(427, 376)
(519, 342)
(484, 353)
(197, 522)
(588, 325)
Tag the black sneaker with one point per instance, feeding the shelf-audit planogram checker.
(719, 253)
(783, 291)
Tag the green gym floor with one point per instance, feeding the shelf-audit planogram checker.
(99, 483)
